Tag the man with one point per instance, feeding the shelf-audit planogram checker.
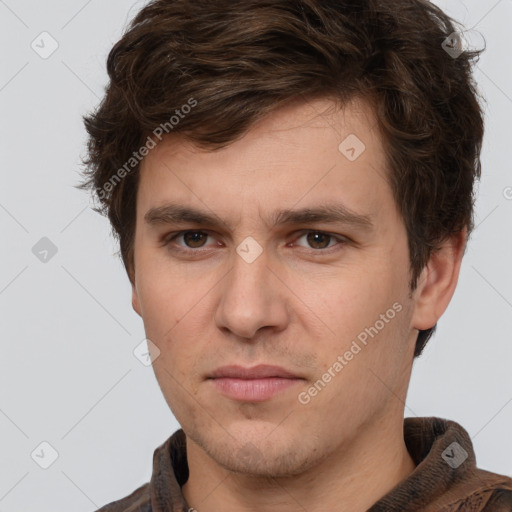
(292, 212)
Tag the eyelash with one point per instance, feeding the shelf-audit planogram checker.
(167, 241)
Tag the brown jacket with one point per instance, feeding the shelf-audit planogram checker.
(446, 478)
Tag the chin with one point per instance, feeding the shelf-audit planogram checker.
(265, 459)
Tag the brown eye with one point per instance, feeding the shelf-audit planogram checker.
(318, 240)
(194, 239)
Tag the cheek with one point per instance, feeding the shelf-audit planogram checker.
(174, 311)
(366, 314)
(159, 315)
(361, 295)
(165, 294)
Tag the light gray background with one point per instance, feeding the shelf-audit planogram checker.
(68, 375)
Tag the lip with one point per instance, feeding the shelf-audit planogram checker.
(262, 371)
(255, 384)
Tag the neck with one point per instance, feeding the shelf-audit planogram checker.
(354, 477)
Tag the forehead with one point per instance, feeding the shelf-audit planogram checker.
(293, 124)
(303, 153)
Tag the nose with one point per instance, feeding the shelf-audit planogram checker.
(251, 298)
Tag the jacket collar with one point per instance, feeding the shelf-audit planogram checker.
(441, 449)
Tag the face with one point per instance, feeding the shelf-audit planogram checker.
(282, 257)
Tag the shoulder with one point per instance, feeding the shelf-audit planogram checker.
(487, 492)
(138, 501)
(167, 457)
(499, 501)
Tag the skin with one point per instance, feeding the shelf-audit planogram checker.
(299, 305)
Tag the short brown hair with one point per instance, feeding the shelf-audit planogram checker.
(239, 60)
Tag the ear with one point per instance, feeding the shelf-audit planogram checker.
(437, 282)
(135, 300)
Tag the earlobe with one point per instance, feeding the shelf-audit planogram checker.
(437, 282)
(135, 301)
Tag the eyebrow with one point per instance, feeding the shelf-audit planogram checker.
(331, 213)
